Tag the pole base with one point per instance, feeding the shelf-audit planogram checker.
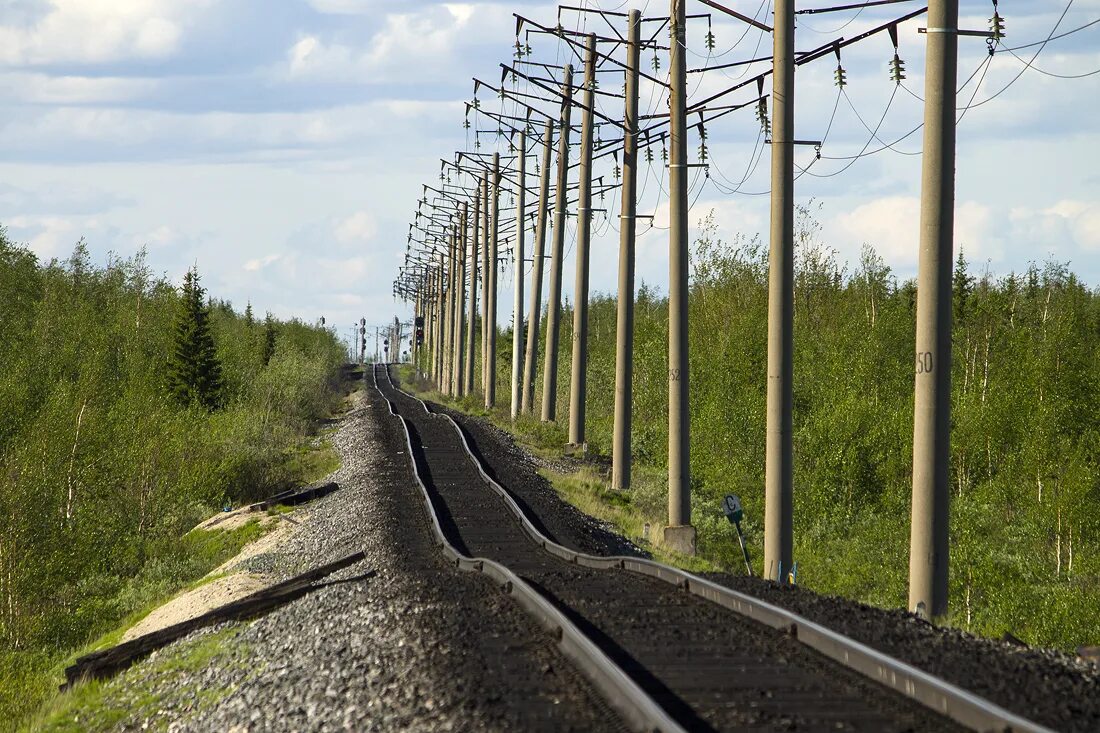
(680, 539)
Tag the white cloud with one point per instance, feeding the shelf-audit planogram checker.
(1067, 225)
(892, 226)
(95, 31)
(172, 133)
(162, 236)
(357, 228)
(261, 262)
(72, 90)
(345, 7)
(55, 236)
(410, 47)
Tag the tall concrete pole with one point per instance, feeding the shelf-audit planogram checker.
(458, 380)
(778, 489)
(680, 534)
(440, 324)
(536, 272)
(417, 313)
(579, 365)
(928, 540)
(518, 253)
(484, 281)
(491, 291)
(449, 334)
(429, 324)
(624, 329)
(553, 306)
(469, 377)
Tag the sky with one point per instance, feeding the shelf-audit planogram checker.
(280, 147)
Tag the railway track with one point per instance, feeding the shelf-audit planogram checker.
(670, 651)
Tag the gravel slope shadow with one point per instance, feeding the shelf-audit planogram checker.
(421, 646)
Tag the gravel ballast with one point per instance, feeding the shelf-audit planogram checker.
(400, 641)
(1046, 686)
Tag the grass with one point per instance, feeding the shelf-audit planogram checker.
(314, 460)
(31, 678)
(631, 513)
(101, 705)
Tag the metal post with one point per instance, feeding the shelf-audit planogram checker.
(553, 305)
(491, 291)
(579, 364)
(517, 303)
(624, 330)
(473, 297)
(460, 306)
(928, 540)
(536, 271)
(778, 489)
(679, 535)
(484, 280)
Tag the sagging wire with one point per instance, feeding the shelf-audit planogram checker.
(1027, 65)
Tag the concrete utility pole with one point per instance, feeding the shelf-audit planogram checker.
(624, 329)
(429, 307)
(449, 333)
(778, 488)
(473, 297)
(491, 293)
(484, 281)
(536, 272)
(459, 378)
(553, 306)
(517, 303)
(579, 365)
(412, 345)
(395, 342)
(680, 534)
(928, 540)
(440, 323)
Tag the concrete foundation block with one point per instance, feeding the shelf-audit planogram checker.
(680, 539)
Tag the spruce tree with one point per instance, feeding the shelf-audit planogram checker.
(269, 339)
(194, 374)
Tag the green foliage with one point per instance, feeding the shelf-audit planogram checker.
(270, 337)
(195, 374)
(105, 705)
(102, 471)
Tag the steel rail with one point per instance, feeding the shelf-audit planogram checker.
(640, 711)
(942, 697)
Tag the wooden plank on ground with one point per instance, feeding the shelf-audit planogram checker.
(107, 662)
(294, 497)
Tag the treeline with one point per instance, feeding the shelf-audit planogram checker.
(1025, 548)
(106, 458)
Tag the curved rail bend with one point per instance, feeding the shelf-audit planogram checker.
(947, 699)
(637, 708)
